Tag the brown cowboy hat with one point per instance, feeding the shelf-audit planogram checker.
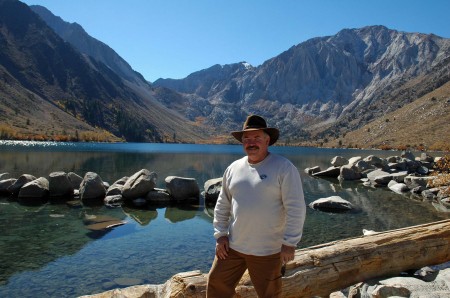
(255, 122)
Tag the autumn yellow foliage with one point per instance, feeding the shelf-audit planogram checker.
(442, 175)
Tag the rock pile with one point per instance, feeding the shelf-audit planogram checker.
(138, 189)
(405, 174)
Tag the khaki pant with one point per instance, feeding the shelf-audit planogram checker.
(265, 273)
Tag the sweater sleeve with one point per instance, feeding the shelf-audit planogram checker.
(294, 205)
(222, 210)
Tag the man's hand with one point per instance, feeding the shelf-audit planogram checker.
(287, 253)
(222, 247)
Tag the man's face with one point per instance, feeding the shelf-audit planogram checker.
(256, 145)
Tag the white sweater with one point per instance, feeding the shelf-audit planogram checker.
(261, 206)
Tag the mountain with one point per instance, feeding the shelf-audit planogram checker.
(49, 89)
(74, 34)
(322, 88)
(57, 82)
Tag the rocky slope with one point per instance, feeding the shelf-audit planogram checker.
(324, 87)
(316, 92)
(49, 89)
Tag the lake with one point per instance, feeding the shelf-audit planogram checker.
(47, 251)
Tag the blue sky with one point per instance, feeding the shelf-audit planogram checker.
(173, 38)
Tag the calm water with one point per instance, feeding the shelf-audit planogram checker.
(47, 251)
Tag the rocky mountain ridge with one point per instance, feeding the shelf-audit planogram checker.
(316, 92)
(323, 87)
(51, 90)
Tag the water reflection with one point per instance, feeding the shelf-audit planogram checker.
(50, 249)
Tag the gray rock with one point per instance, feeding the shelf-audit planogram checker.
(424, 157)
(393, 159)
(158, 195)
(375, 161)
(429, 195)
(115, 189)
(181, 188)
(121, 181)
(414, 181)
(212, 189)
(5, 184)
(75, 180)
(434, 286)
(59, 185)
(377, 173)
(139, 184)
(398, 187)
(408, 155)
(422, 170)
(362, 166)
(333, 172)
(339, 161)
(347, 173)
(24, 179)
(113, 200)
(91, 187)
(312, 170)
(37, 188)
(331, 203)
(352, 161)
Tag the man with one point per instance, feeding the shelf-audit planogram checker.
(259, 215)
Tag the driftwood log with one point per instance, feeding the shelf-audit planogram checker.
(323, 269)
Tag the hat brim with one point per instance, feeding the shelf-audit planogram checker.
(272, 132)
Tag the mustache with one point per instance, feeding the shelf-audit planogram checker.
(253, 147)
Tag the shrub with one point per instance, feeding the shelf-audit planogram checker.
(442, 175)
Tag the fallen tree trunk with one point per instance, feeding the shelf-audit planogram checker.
(323, 269)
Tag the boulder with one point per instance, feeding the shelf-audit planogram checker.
(375, 161)
(333, 203)
(352, 161)
(91, 187)
(34, 191)
(424, 283)
(373, 174)
(115, 189)
(212, 189)
(5, 184)
(362, 166)
(59, 185)
(75, 180)
(422, 170)
(4, 176)
(347, 172)
(158, 195)
(312, 170)
(333, 172)
(398, 187)
(181, 188)
(139, 184)
(414, 181)
(24, 179)
(424, 157)
(429, 195)
(113, 200)
(408, 155)
(393, 159)
(339, 161)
